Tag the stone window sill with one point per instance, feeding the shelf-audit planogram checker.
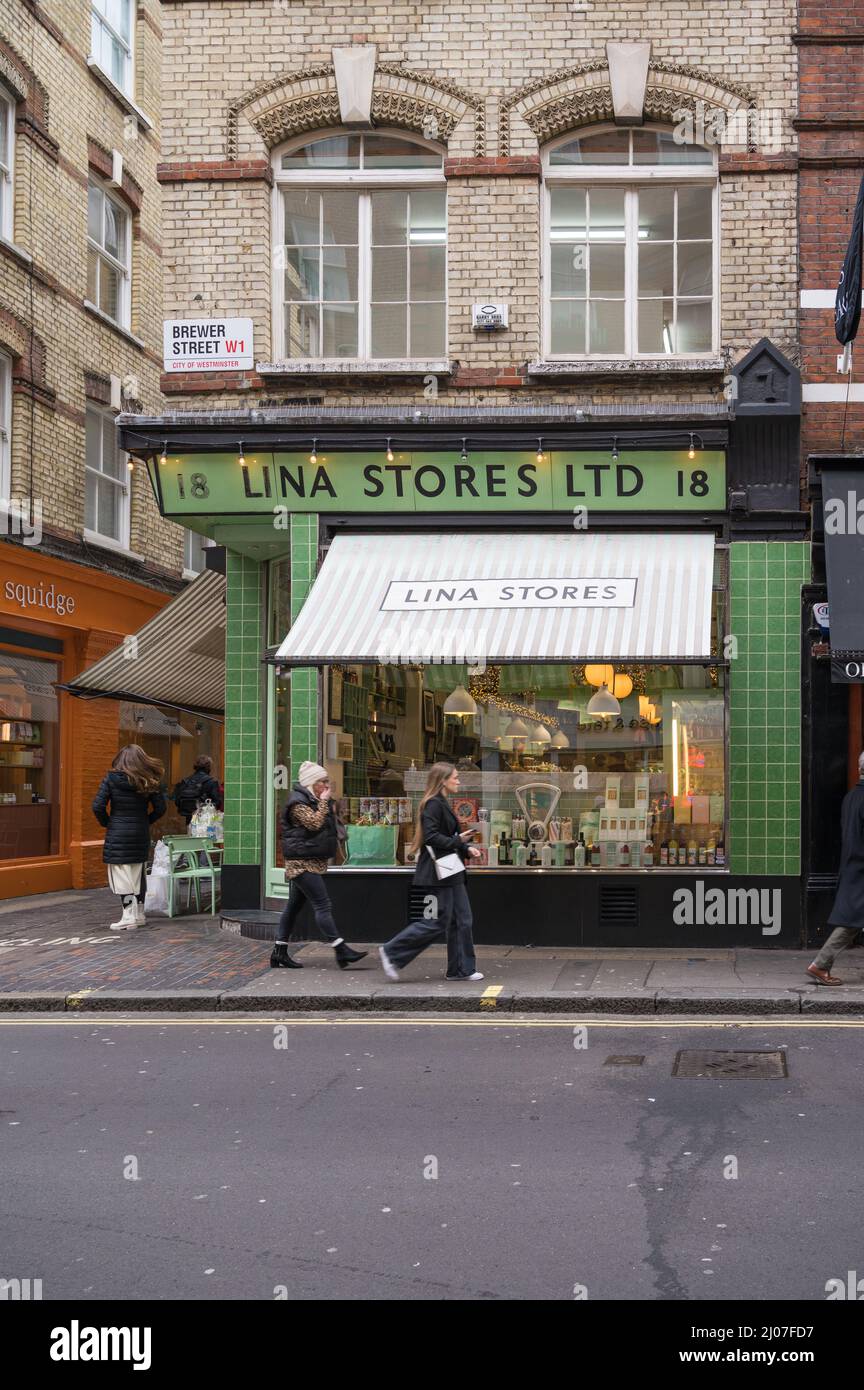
(16, 252)
(112, 323)
(144, 122)
(108, 543)
(624, 367)
(340, 366)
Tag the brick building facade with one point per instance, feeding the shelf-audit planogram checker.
(80, 339)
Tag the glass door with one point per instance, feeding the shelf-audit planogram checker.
(29, 757)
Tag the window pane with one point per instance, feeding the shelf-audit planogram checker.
(115, 231)
(389, 330)
(656, 320)
(109, 290)
(428, 330)
(655, 269)
(428, 217)
(606, 214)
(301, 331)
(302, 208)
(610, 147)
(94, 440)
(694, 327)
(109, 501)
(92, 276)
(94, 213)
(606, 326)
(427, 272)
(339, 272)
(660, 147)
(389, 152)
(302, 272)
(568, 269)
(340, 216)
(694, 267)
(694, 213)
(568, 326)
(567, 214)
(91, 518)
(607, 270)
(340, 330)
(389, 218)
(118, 16)
(4, 131)
(389, 274)
(333, 152)
(117, 61)
(656, 214)
(113, 463)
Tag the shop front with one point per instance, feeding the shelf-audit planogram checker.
(564, 613)
(54, 619)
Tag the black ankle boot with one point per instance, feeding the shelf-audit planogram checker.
(280, 956)
(346, 956)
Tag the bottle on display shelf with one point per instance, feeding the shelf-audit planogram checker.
(702, 855)
(664, 852)
(546, 855)
(692, 852)
(595, 856)
(532, 857)
(647, 855)
(579, 854)
(492, 853)
(720, 857)
(673, 851)
(711, 851)
(623, 856)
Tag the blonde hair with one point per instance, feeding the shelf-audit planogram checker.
(143, 772)
(437, 776)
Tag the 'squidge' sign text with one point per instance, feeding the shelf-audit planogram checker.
(207, 345)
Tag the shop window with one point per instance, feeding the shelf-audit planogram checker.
(630, 246)
(106, 499)
(29, 757)
(5, 425)
(7, 163)
(363, 270)
(111, 40)
(548, 778)
(108, 254)
(176, 738)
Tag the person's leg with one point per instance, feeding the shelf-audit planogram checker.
(840, 938)
(290, 912)
(411, 940)
(319, 901)
(461, 961)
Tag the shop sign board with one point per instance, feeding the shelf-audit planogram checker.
(847, 672)
(578, 482)
(207, 345)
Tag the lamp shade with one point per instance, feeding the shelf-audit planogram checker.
(560, 740)
(540, 734)
(517, 728)
(460, 702)
(603, 703)
(599, 675)
(622, 686)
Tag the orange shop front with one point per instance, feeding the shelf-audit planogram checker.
(56, 618)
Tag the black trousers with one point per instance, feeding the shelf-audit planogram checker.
(449, 918)
(308, 887)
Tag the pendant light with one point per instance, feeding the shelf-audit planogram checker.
(460, 703)
(603, 702)
(540, 734)
(560, 740)
(517, 728)
(599, 675)
(622, 686)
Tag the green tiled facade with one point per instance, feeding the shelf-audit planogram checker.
(765, 580)
(304, 680)
(244, 639)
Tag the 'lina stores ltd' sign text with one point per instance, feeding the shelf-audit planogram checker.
(318, 482)
(425, 596)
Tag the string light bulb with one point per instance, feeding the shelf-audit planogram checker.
(389, 452)
(130, 465)
(241, 457)
(615, 449)
(539, 450)
(313, 457)
(691, 452)
(163, 457)
(464, 454)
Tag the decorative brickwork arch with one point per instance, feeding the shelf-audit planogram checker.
(31, 97)
(582, 95)
(307, 100)
(28, 357)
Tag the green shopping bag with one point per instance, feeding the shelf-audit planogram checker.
(371, 846)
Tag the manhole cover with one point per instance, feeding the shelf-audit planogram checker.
(756, 1066)
(631, 1059)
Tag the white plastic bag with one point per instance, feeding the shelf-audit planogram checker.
(199, 825)
(156, 898)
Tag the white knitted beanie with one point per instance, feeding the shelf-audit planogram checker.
(310, 773)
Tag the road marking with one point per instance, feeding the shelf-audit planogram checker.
(103, 1020)
(489, 997)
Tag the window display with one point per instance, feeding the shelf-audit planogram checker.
(29, 801)
(561, 766)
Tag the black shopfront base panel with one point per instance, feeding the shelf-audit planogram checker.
(587, 909)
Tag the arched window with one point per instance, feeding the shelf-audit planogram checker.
(631, 246)
(361, 237)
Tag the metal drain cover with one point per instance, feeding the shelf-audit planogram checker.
(754, 1066)
(628, 1059)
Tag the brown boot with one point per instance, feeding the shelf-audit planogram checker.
(822, 977)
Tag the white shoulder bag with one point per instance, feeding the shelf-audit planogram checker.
(447, 865)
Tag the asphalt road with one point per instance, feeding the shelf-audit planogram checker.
(425, 1159)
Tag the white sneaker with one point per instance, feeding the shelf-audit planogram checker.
(475, 976)
(140, 919)
(387, 965)
(129, 920)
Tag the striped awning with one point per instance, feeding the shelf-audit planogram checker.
(177, 659)
(502, 598)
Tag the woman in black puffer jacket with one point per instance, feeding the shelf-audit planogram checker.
(133, 789)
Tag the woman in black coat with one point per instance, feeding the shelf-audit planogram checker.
(438, 831)
(133, 790)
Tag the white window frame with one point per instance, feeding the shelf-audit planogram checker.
(631, 178)
(364, 181)
(97, 18)
(97, 537)
(5, 426)
(189, 571)
(7, 170)
(124, 305)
